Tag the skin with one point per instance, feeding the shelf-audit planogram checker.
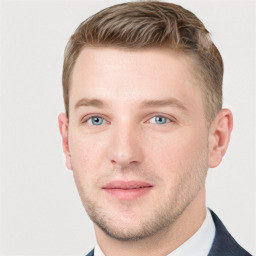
(150, 127)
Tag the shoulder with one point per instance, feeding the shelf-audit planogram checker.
(224, 243)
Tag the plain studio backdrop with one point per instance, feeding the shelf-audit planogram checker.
(41, 212)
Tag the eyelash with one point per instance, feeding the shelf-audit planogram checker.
(87, 118)
(168, 120)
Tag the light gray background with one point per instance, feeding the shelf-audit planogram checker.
(41, 213)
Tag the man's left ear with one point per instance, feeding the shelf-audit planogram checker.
(219, 136)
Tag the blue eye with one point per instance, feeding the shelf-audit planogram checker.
(96, 120)
(159, 120)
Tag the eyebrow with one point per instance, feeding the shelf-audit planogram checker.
(172, 102)
(90, 103)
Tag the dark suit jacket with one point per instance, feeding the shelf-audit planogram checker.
(223, 244)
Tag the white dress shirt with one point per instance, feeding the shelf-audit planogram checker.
(197, 245)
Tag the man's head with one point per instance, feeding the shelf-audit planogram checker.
(139, 25)
(142, 88)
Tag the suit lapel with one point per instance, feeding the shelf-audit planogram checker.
(91, 253)
(224, 243)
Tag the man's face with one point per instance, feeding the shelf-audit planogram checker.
(137, 138)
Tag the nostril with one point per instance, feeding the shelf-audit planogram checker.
(113, 162)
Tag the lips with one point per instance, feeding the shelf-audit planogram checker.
(127, 190)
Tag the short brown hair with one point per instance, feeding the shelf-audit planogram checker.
(147, 24)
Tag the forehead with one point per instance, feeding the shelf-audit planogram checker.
(137, 60)
(124, 75)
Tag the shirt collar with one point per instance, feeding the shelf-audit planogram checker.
(197, 245)
(201, 242)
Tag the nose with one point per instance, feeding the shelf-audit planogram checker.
(125, 148)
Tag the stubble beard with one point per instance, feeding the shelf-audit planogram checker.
(163, 216)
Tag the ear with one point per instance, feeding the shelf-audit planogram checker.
(63, 127)
(219, 137)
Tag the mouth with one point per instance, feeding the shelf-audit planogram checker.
(127, 190)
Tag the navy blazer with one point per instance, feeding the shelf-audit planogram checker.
(223, 244)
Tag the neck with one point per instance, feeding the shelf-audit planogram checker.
(167, 241)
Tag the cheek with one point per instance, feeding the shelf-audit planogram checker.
(85, 161)
(174, 151)
(86, 153)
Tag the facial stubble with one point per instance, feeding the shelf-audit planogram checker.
(163, 216)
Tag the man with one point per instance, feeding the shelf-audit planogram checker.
(142, 85)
